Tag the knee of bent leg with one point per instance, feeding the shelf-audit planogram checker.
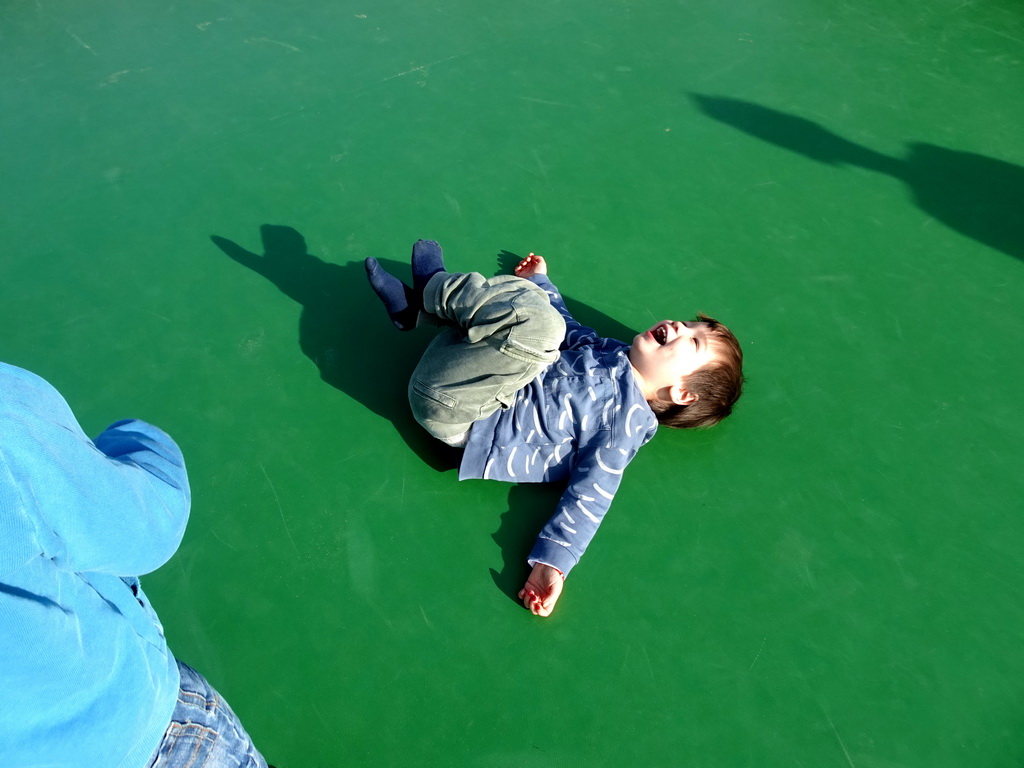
(540, 326)
(438, 412)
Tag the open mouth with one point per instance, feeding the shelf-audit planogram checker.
(660, 334)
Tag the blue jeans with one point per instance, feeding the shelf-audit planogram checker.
(204, 732)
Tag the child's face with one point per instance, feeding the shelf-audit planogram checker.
(667, 352)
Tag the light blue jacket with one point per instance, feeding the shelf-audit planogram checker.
(583, 419)
(87, 679)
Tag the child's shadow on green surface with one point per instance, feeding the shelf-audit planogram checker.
(344, 330)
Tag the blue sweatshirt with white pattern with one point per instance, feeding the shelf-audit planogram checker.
(582, 419)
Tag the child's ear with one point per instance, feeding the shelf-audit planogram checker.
(680, 395)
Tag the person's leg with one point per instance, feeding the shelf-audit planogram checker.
(505, 333)
(398, 298)
(403, 304)
(204, 731)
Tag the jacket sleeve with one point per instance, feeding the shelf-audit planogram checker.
(132, 517)
(576, 334)
(115, 505)
(592, 486)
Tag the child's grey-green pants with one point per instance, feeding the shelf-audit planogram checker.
(502, 332)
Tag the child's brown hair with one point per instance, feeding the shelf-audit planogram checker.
(717, 385)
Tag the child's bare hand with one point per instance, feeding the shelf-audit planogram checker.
(542, 590)
(532, 265)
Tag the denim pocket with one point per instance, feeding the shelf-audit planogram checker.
(434, 396)
(204, 731)
(185, 745)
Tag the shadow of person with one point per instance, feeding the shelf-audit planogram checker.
(977, 196)
(344, 330)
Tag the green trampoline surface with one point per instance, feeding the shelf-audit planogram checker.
(833, 577)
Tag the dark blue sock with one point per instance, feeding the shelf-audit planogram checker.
(427, 261)
(401, 302)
